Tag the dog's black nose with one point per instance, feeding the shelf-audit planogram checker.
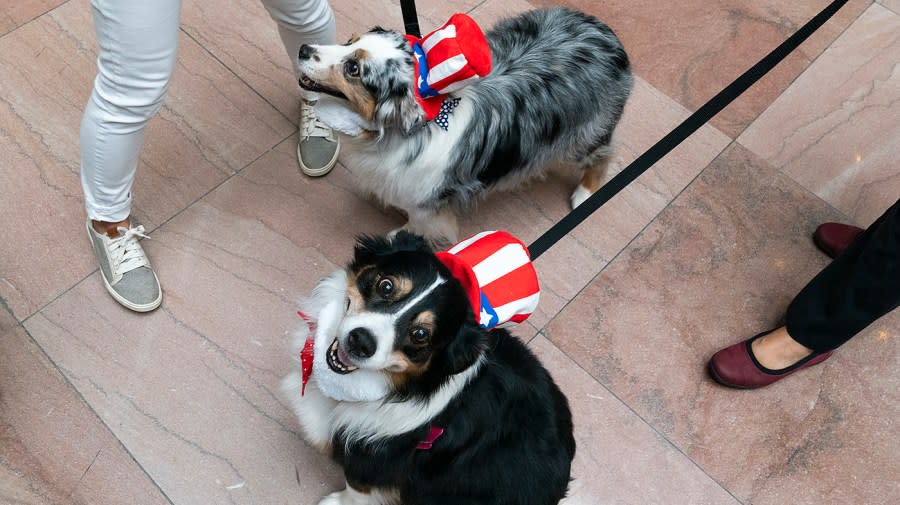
(361, 343)
(306, 52)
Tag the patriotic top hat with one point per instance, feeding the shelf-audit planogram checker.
(496, 271)
(448, 59)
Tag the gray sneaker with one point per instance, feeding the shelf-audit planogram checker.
(318, 148)
(127, 273)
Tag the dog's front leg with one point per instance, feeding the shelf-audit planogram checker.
(438, 226)
(351, 496)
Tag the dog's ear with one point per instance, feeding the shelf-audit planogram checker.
(399, 109)
(470, 343)
(369, 248)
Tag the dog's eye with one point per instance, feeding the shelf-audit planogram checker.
(418, 335)
(385, 288)
(347, 305)
(351, 68)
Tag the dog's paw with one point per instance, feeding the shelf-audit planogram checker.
(332, 499)
(580, 194)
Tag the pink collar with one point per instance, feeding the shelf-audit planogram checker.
(433, 434)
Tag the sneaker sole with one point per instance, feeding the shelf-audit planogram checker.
(318, 172)
(137, 307)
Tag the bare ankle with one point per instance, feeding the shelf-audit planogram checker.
(778, 350)
(110, 228)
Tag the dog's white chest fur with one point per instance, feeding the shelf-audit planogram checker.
(370, 417)
(407, 172)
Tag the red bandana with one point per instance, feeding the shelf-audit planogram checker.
(306, 354)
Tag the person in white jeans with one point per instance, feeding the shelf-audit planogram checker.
(138, 44)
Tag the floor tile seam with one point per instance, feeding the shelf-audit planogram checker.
(812, 61)
(625, 404)
(732, 141)
(237, 76)
(153, 230)
(479, 4)
(96, 415)
(4, 307)
(33, 19)
(638, 234)
(881, 3)
(809, 192)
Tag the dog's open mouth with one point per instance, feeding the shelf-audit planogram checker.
(311, 85)
(337, 360)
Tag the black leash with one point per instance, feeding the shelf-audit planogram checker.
(410, 18)
(679, 134)
(675, 137)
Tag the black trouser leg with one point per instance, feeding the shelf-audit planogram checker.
(858, 287)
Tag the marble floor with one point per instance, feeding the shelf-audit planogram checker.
(99, 405)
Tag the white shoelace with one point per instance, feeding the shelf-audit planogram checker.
(310, 126)
(126, 254)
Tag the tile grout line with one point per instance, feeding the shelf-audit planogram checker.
(639, 416)
(35, 18)
(154, 229)
(239, 78)
(811, 62)
(732, 142)
(96, 415)
(543, 330)
(638, 234)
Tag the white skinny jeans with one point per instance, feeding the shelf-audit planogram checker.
(138, 44)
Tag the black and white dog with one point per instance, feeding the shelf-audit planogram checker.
(453, 414)
(558, 87)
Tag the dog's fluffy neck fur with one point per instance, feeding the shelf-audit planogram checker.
(413, 161)
(323, 418)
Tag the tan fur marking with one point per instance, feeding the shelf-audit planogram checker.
(425, 319)
(403, 370)
(593, 176)
(353, 89)
(357, 299)
(402, 287)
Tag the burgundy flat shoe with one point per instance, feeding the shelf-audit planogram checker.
(736, 366)
(833, 238)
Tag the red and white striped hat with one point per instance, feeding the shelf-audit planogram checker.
(496, 271)
(447, 59)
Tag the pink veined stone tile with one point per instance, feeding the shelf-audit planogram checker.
(196, 384)
(46, 78)
(359, 17)
(17, 13)
(210, 126)
(619, 458)
(835, 130)
(569, 265)
(492, 11)
(245, 39)
(54, 449)
(893, 5)
(691, 50)
(719, 265)
(201, 412)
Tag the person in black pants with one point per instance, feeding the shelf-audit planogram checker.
(859, 286)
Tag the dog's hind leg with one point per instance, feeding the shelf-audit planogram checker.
(593, 169)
